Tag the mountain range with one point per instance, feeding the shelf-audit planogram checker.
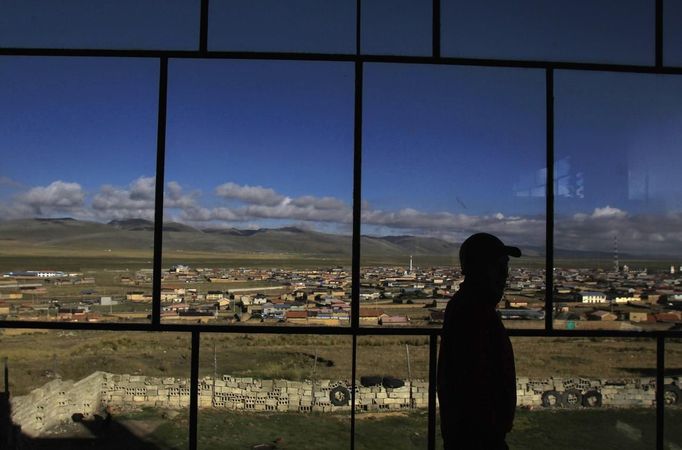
(138, 234)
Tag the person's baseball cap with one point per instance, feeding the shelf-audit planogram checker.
(483, 247)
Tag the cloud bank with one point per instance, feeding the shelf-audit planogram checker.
(231, 204)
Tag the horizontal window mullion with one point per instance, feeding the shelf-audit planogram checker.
(323, 330)
(341, 57)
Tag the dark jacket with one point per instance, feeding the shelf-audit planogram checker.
(476, 374)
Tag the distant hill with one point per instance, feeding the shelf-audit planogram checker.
(138, 234)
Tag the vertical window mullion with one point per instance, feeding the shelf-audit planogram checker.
(549, 196)
(357, 213)
(357, 185)
(660, 400)
(357, 200)
(194, 391)
(158, 203)
(659, 34)
(353, 390)
(203, 27)
(433, 379)
(435, 29)
(358, 27)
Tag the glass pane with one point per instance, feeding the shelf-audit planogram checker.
(286, 391)
(77, 188)
(396, 27)
(123, 24)
(393, 392)
(569, 391)
(259, 188)
(308, 26)
(448, 152)
(673, 394)
(97, 389)
(672, 34)
(560, 30)
(617, 203)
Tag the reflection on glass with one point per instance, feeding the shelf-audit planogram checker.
(307, 26)
(77, 188)
(287, 391)
(448, 152)
(77, 389)
(570, 390)
(123, 24)
(585, 31)
(396, 27)
(617, 204)
(672, 393)
(258, 194)
(393, 391)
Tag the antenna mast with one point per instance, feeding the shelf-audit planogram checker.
(616, 264)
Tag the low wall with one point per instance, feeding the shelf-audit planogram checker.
(58, 400)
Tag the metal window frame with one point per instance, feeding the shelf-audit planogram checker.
(355, 330)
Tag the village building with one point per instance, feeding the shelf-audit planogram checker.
(592, 297)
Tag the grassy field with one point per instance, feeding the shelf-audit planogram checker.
(76, 260)
(567, 429)
(217, 430)
(35, 356)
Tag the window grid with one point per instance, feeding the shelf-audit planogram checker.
(355, 330)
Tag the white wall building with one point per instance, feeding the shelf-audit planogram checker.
(592, 297)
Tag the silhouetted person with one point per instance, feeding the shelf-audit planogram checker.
(476, 374)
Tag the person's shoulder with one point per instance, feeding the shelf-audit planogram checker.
(463, 313)
(460, 303)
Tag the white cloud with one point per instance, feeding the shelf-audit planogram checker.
(288, 209)
(57, 196)
(256, 195)
(262, 203)
(318, 202)
(143, 189)
(644, 234)
(175, 197)
(111, 198)
(608, 212)
(638, 234)
(138, 198)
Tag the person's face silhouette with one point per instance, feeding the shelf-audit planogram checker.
(497, 273)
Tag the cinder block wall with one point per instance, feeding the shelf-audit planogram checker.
(58, 400)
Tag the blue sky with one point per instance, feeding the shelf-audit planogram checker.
(570, 30)
(157, 24)
(446, 150)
